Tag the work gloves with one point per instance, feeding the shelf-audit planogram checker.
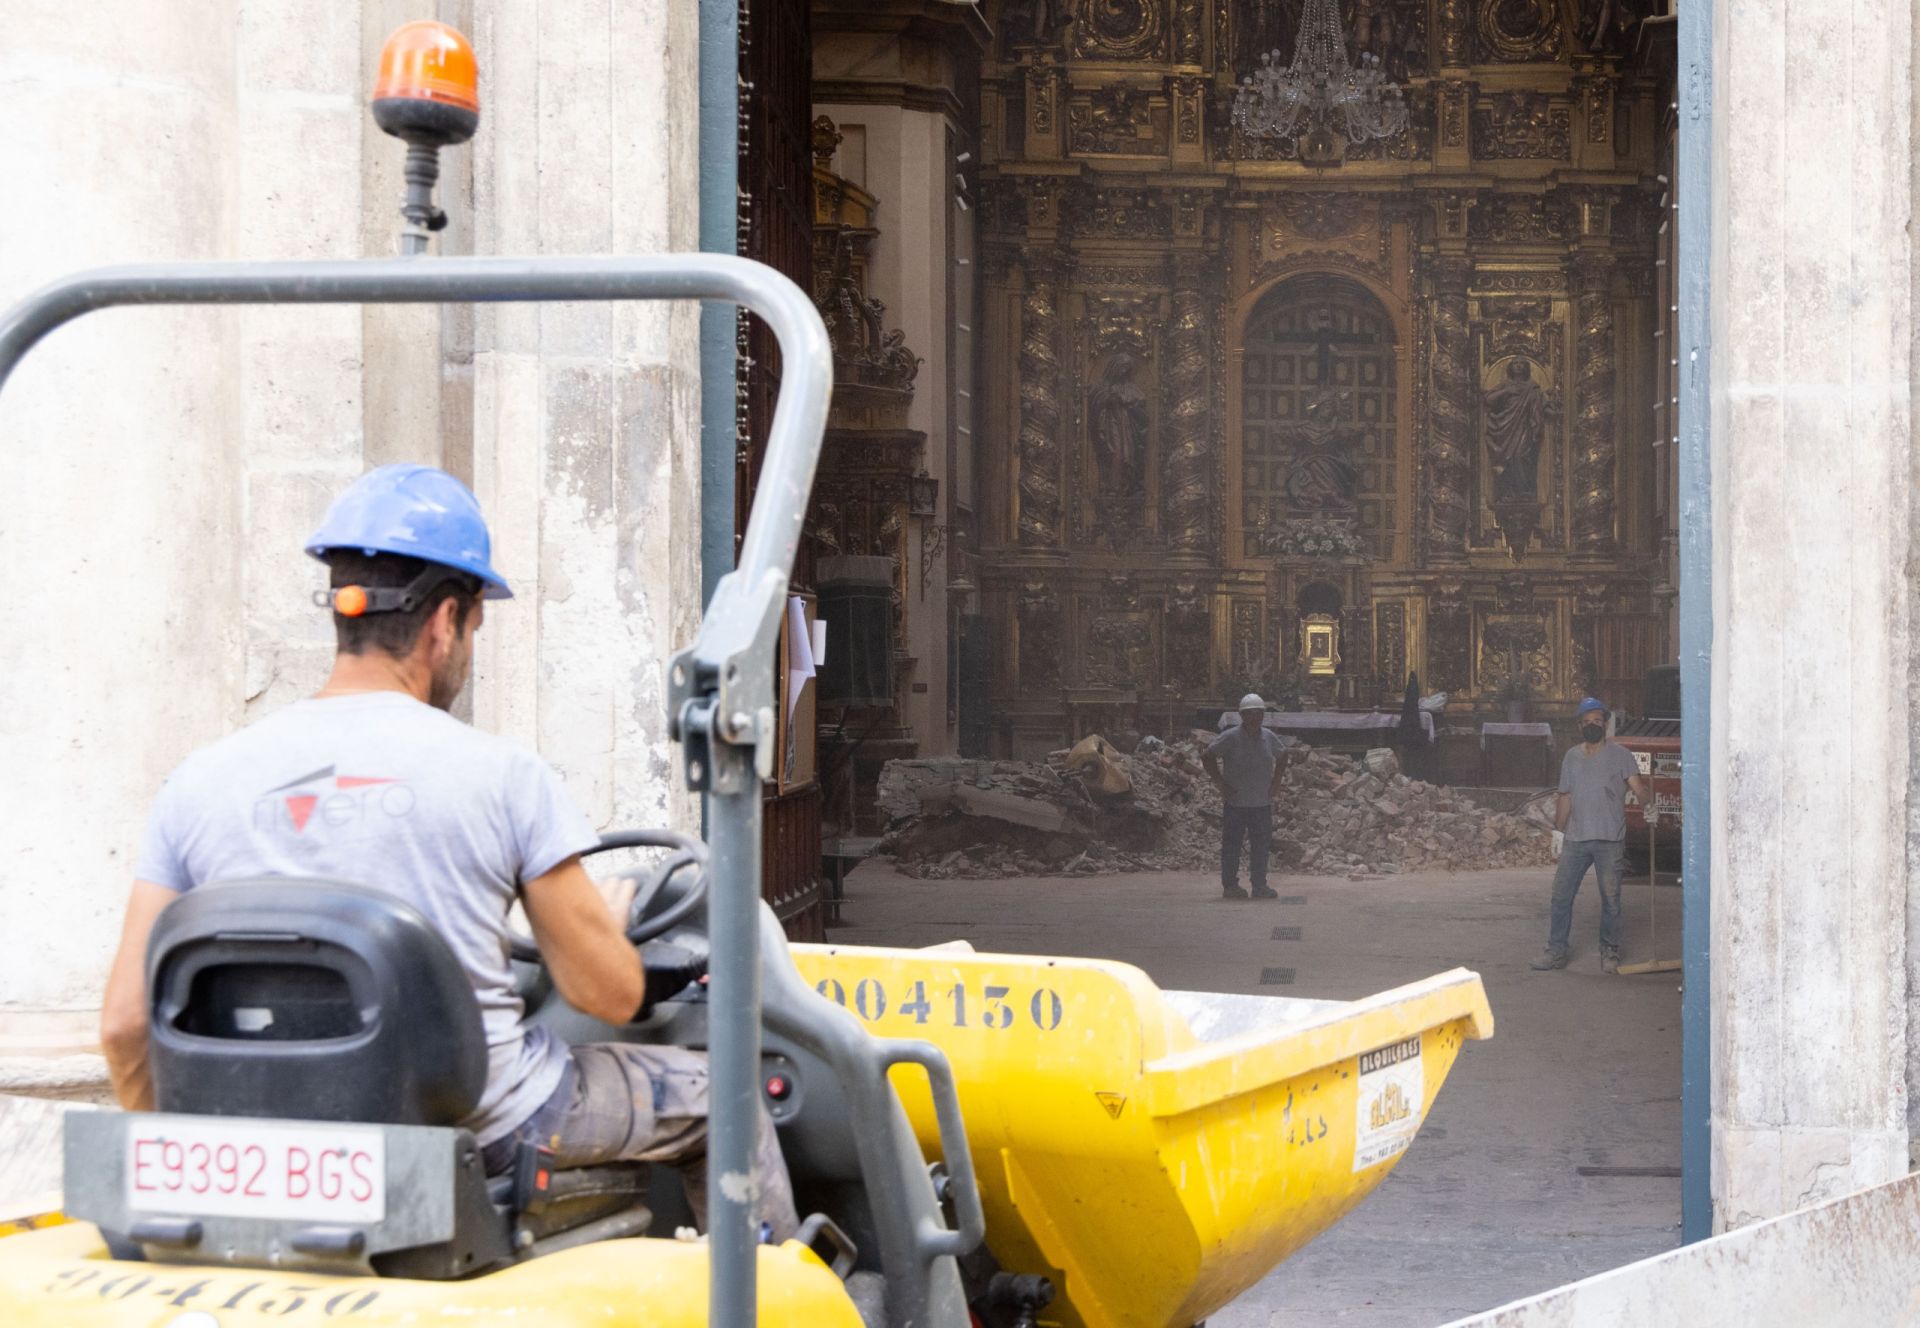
(670, 969)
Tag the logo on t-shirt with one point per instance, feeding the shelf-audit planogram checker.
(336, 799)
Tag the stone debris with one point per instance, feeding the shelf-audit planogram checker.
(951, 817)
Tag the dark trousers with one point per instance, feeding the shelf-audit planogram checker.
(1255, 825)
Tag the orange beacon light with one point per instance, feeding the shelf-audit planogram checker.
(427, 94)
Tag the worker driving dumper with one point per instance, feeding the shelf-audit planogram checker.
(372, 781)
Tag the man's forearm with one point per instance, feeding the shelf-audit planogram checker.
(1562, 811)
(131, 1076)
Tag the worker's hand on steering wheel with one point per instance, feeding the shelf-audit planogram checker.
(618, 891)
(670, 969)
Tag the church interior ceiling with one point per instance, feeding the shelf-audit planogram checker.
(1413, 386)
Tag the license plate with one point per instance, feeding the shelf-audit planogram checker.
(231, 1168)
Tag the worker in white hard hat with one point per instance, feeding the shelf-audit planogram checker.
(1246, 764)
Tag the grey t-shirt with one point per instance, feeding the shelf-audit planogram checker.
(1598, 786)
(1246, 763)
(387, 792)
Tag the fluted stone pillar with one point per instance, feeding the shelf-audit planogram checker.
(1812, 699)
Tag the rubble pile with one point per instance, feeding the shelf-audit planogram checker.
(951, 817)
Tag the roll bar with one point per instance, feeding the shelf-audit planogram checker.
(721, 689)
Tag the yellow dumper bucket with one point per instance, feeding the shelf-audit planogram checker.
(1157, 1153)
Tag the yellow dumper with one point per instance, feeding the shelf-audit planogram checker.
(1151, 1154)
(1159, 1152)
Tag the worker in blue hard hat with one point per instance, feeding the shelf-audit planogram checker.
(1590, 827)
(372, 780)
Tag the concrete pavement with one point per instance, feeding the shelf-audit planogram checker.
(1583, 1070)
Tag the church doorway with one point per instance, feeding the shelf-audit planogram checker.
(1144, 412)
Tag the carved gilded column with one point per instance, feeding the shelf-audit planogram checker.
(1593, 441)
(1455, 17)
(1039, 444)
(1187, 482)
(1450, 412)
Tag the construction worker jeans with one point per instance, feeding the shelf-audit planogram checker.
(626, 1102)
(1607, 857)
(1255, 825)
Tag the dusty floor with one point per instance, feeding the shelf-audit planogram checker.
(1487, 1206)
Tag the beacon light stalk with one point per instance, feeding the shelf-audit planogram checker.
(427, 94)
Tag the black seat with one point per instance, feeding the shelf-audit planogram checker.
(312, 1000)
(319, 1000)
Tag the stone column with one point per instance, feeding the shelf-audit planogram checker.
(1450, 423)
(1594, 446)
(121, 457)
(1187, 490)
(1813, 718)
(1039, 446)
(586, 417)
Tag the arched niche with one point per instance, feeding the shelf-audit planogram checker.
(1318, 421)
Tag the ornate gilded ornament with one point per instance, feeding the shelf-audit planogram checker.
(1324, 216)
(1094, 276)
(1450, 426)
(1038, 447)
(1040, 84)
(1320, 536)
(1189, 106)
(1522, 125)
(1596, 94)
(1518, 30)
(1038, 614)
(1247, 642)
(1113, 120)
(1456, 31)
(1521, 327)
(1515, 649)
(1187, 490)
(1449, 638)
(1189, 19)
(1590, 602)
(863, 350)
(1122, 213)
(1122, 321)
(1126, 29)
(1526, 219)
(1390, 640)
(1121, 651)
(1593, 441)
(1453, 98)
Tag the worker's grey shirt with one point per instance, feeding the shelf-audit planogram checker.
(385, 791)
(1247, 760)
(1597, 784)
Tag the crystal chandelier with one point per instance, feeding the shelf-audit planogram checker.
(1320, 92)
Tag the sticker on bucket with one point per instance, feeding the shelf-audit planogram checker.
(1392, 1092)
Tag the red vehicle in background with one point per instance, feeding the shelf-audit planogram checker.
(1653, 737)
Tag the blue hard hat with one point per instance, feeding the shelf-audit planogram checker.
(1588, 706)
(417, 511)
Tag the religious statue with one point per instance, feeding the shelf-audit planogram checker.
(1035, 22)
(1517, 412)
(1321, 474)
(1117, 416)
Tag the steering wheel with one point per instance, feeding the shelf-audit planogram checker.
(642, 923)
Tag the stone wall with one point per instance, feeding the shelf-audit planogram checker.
(163, 467)
(1812, 329)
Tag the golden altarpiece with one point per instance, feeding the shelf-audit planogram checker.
(1230, 396)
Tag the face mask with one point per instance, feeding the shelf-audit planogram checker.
(1592, 732)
